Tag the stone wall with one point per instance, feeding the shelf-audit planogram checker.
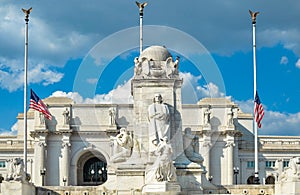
(243, 190)
(98, 190)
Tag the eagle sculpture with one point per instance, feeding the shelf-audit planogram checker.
(141, 6)
(27, 12)
(253, 15)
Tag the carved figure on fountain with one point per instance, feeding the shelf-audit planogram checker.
(156, 62)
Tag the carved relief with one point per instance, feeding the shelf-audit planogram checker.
(151, 69)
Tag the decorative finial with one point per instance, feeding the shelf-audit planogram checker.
(253, 16)
(141, 6)
(27, 12)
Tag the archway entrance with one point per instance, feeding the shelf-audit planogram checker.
(250, 180)
(91, 169)
(270, 180)
(94, 171)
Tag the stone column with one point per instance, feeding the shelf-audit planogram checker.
(42, 146)
(30, 166)
(39, 156)
(206, 146)
(43, 170)
(65, 160)
(230, 144)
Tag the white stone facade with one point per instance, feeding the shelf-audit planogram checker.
(222, 136)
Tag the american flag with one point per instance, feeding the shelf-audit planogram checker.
(258, 110)
(37, 104)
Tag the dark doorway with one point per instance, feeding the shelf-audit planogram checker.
(94, 171)
(270, 180)
(250, 180)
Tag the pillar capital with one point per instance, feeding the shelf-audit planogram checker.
(65, 144)
(229, 144)
(42, 144)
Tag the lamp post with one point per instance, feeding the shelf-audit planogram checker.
(100, 175)
(64, 180)
(92, 173)
(43, 173)
(210, 178)
(236, 171)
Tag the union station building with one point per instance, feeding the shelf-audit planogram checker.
(76, 148)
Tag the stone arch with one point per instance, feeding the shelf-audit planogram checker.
(94, 159)
(270, 179)
(78, 154)
(81, 151)
(250, 180)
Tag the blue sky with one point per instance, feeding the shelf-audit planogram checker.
(86, 51)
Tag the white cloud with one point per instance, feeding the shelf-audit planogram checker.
(284, 60)
(47, 45)
(76, 97)
(274, 122)
(41, 74)
(277, 123)
(192, 91)
(298, 63)
(189, 78)
(13, 79)
(120, 95)
(210, 90)
(246, 106)
(13, 131)
(65, 35)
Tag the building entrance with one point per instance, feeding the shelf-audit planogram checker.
(94, 171)
(91, 169)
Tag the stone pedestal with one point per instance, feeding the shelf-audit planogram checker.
(17, 188)
(193, 179)
(162, 188)
(132, 176)
(288, 187)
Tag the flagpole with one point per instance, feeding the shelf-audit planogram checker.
(26, 12)
(141, 8)
(256, 173)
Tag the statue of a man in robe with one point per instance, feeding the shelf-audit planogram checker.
(158, 122)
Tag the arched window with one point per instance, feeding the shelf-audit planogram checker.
(250, 180)
(94, 171)
(270, 180)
